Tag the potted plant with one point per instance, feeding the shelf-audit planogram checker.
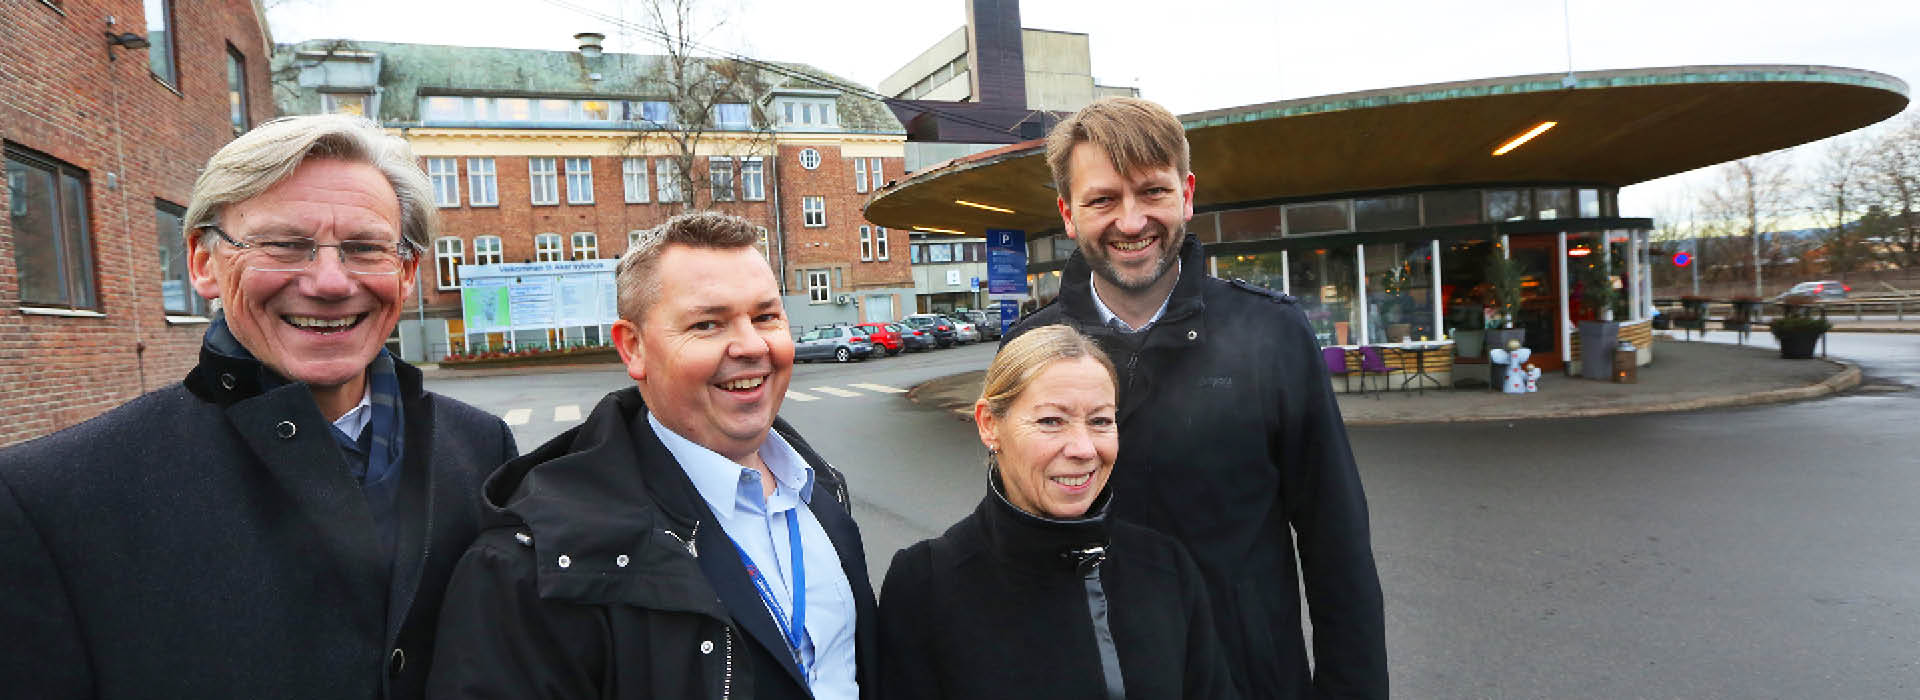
(1598, 337)
(1798, 329)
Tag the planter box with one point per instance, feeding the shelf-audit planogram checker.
(1597, 341)
(1798, 345)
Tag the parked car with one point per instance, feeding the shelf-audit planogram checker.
(883, 335)
(838, 343)
(964, 332)
(938, 326)
(1822, 290)
(987, 323)
(913, 338)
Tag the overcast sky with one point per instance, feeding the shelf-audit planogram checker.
(1202, 54)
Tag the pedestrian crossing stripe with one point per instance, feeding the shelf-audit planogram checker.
(879, 388)
(831, 391)
(797, 396)
(519, 416)
(571, 413)
(566, 414)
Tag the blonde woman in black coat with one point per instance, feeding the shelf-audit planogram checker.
(1038, 594)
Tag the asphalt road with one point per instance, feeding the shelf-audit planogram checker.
(1764, 552)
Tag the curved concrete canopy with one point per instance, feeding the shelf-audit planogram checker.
(1615, 128)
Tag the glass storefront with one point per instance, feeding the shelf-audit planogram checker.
(1264, 269)
(1400, 292)
(1324, 281)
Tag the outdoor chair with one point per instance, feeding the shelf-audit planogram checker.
(1336, 359)
(1373, 363)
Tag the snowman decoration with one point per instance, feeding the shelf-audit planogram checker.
(1520, 376)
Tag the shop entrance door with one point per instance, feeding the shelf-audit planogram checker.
(1539, 297)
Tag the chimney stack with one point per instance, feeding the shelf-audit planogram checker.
(590, 43)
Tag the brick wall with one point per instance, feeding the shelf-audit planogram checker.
(136, 140)
(836, 245)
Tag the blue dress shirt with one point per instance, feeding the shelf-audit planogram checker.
(758, 524)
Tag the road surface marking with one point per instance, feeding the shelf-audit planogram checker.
(879, 388)
(797, 396)
(566, 414)
(842, 393)
(519, 416)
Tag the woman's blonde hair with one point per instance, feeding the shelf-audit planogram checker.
(1025, 357)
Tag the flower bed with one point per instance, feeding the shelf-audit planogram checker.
(530, 357)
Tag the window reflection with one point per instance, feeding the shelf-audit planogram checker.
(1323, 280)
(1399, 292)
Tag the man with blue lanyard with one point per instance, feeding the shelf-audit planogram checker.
(682, 542)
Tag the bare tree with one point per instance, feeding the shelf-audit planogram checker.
(707, 105)
(1892, 181)
(1752, 196)
(1835, 200)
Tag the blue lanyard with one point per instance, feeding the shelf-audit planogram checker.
(795, 629)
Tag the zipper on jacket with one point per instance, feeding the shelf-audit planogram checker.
(689, 540)
(726, 682)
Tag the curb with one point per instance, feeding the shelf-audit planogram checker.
(1845, 378)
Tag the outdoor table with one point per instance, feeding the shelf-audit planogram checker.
(1420, 350)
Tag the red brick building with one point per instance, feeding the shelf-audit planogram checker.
(102, 145)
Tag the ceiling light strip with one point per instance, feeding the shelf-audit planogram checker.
(1537, 130)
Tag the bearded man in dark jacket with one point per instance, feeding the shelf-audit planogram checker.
(1230, 439)
(682, 542)
(282, 523)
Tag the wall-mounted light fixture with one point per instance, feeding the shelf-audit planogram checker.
(127, 40)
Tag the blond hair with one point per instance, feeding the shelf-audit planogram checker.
(635, 280)
(261, 158)
(1022, 360)
(1135, 134)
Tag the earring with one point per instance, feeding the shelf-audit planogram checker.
(993, 458)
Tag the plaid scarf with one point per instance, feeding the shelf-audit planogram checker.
(387, 427)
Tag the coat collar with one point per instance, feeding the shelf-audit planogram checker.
(224, 377)
(1039, 544)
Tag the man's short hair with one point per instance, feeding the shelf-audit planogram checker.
(261, 158)
(636, 280)
(1134, 133)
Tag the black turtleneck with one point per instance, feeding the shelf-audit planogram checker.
(999, 607)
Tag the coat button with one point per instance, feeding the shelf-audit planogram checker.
(621, 561)
(286, 429)
(565, 561)
(706, 647)
(396, 661)
(226, 382)
(1193, 335)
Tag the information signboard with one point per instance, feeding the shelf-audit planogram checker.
(528, 296)
(1006, 262)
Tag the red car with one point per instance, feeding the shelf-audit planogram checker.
(883, 335)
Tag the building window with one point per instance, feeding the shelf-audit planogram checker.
(859, 174)
(483, 187)
(513, 109)
(353, 103)
(819, 287)
(237, 91)
(449, 253)
(553, 110)
(866, 244)
(720, 177)
(176, 290)
(730, 115)
(873, 174)
(809, 158)
(814, 211)
(546, 248)
(766, 247)
(443, 109)
(579, 181)
(753, 179)
(633, 174)
(586, 246)
(445, 175)
(52, 246)
(541, 181)
(596, 111)
(161, 51)
(666, 175)
(654, 112)
(486, 250)
(880, 243)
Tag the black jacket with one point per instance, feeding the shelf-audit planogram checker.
(634, 612)
(1010, 605)
(1231, 442)
(206, 540)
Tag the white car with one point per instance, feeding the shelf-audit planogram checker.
(964, 332)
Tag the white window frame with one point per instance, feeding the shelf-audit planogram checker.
(866, 244)
(543, 181)
(633, 238)
(586, 245)
(548, 247)
(579, 180)
(720, 168)
(487, 250)
(766, 244)
(860, 175)
(874, 177)
(753, 180)
(666, 174)
(449, 253)
(819, 286)
(483, 186)
(881, 247)
(633, 175)
(444, 173)
(332, 102)
(813, 211)
(809, 158)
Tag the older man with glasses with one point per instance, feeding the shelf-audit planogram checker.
(282, 523)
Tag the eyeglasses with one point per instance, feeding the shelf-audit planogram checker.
(297, 253)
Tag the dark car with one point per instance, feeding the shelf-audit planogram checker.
(838, 343)
(987, 323)
(884, 336)
(1823, 290)
(914, 338)
(934, 324)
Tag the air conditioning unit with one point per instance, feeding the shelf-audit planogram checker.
(844, 299)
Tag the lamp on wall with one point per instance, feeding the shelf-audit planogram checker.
(127, 40)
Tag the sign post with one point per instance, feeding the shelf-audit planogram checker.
(1007, 272)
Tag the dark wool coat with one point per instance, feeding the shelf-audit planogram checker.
(634, 612)
(1009, 605)
(1231, 442)
(207, 540)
